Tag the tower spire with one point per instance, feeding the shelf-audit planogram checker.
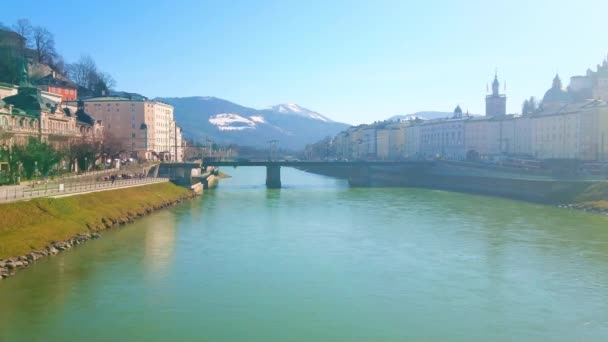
(24, 80)
(495, 84)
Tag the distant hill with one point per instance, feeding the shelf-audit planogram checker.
(227, 122)
(429, 115)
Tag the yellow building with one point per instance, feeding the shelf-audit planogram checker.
(383, 144)
(574, 131)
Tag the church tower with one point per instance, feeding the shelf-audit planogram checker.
(496, 103)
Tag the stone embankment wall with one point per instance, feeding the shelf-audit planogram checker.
(31, 230)
(534, 189)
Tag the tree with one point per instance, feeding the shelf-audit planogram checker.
(24, 28)
(59, 65)
(11, 62)
(105, 82)
(83, 153)
(533, 104)
(112, 146)
(84, 72)
(36, 156)
(44, 44)
(12, 51)
(525, 108)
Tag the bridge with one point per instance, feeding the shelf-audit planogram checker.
(358, 172)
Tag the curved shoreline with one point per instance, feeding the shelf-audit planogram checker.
(142, 201)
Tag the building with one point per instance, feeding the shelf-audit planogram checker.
(496, 104)
(412, 139)
(397, 140)
(570, 124)
(574, 131)
(30, 114)
(594, 85)
(443, 138)
(556, 97)
(7, 90)
(56, 84)
(383, 144)
(342, 145)
(390, 140)
(490, 137)
(358, 150)
(146, 128)
(369, 143)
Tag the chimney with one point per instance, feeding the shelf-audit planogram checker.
(10, 109)
(53, 73)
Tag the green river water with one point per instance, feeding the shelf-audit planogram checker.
(319, 261)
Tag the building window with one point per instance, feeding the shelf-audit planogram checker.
(133, 126)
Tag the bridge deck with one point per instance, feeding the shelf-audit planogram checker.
(315, 163)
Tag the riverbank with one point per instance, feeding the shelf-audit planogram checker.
(474, 179)
(594, 200)
(30, 230)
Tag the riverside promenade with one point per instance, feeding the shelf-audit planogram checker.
(14, 193)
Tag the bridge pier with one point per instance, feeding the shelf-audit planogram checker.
(273, 176)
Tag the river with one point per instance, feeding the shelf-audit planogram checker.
(319, 261)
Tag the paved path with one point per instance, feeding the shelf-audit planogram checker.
(16, 193)
(153, 181)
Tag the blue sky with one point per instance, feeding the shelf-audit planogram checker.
(354, 61)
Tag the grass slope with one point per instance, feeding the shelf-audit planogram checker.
(595, 196)
(31, 225)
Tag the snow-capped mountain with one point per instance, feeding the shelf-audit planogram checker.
(235, 122)
(292, 108)
(227, 122)
(430, 115)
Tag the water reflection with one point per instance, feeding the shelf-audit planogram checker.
(159, 244)
(320, 261)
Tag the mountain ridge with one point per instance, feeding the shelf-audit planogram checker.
(424, 115)
(226, 122)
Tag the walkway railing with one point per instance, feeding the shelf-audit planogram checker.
(25, 192)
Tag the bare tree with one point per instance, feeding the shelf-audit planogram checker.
(59, 64)
(44, 44)
(83, 71)
(107, 79)
(112, 145)
(24, 28)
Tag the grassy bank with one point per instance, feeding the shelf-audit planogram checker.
(596, 196)
(31, 225)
